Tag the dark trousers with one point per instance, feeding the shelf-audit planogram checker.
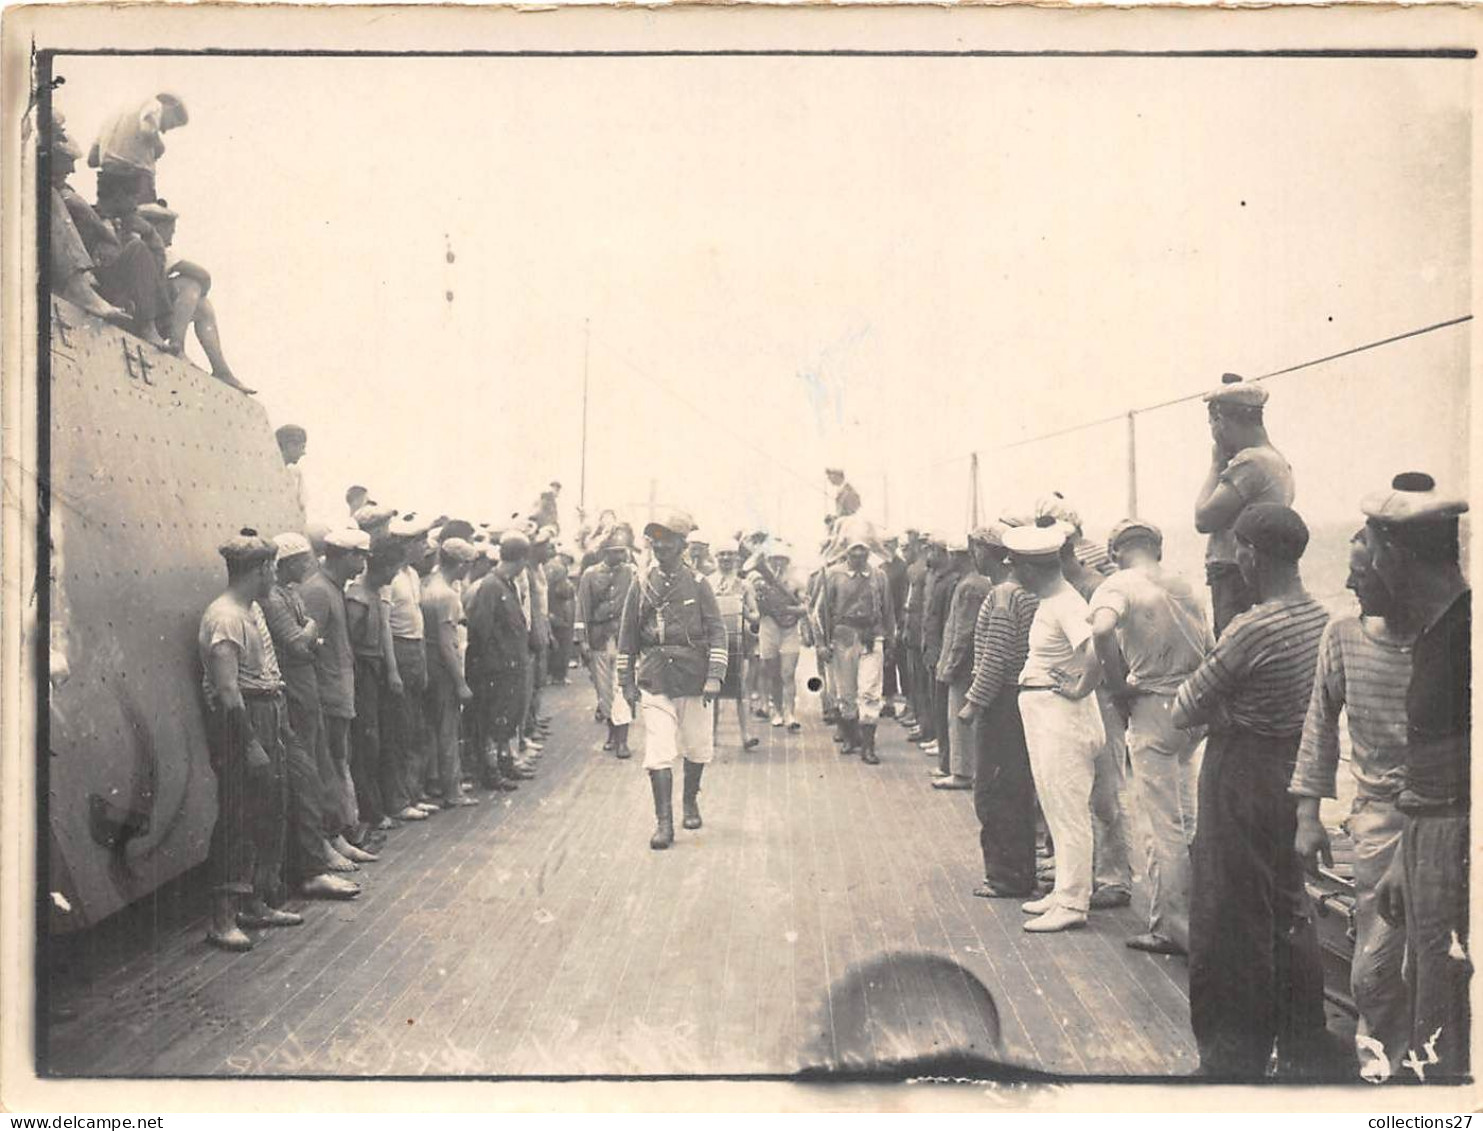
(245, 856)
(559, 658)
(365, 740)
(122, 189)
(1230, 596)
(1254, 969)
(890, 682)
(135, 281)
(1004, 795)
(922, 680)
(305, 853)
(941, 725)
(401, 725)
(1434, 850)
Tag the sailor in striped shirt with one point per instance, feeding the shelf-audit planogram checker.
(1364, 668)
(1003, 788)
(1255, 975)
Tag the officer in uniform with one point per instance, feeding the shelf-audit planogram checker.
(672, 645)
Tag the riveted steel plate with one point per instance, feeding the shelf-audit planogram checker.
(153, 464)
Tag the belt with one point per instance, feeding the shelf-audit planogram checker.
(263, 695)
(1037, 687)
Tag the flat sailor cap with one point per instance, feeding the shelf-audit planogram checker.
(157, 213)
(374, 515)
(1057, 506)
(349, 538)
(408, 526)
(291, 544)
(990, 535)
(247, 546)
(1129, 526)
(459, 550)
(1413, 497)
(1037, 541)
(1236, 391)
(1274, 529)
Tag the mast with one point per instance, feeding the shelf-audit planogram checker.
(586, 354)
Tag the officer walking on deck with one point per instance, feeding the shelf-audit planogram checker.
(672, 645)
(858, 623)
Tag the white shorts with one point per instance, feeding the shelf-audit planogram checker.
(675, 728)
(775, 640)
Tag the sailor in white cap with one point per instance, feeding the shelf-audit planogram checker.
(1150, 624)
(1414, 533)
(857, 623)
(1063, 727)
(1244, 469)
(246, 725)
(782, 607)
(447, 690)
(310, 861)
(672, 646)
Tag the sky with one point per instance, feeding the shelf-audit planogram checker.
(766, 265)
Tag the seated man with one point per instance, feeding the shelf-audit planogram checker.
(187, 285)
(71, 266)
(130, 282)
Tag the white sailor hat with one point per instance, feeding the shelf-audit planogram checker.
(247, 546)
(1057, 506)
(291, 543)
(408, 526)
(1233, 390)
(1129, 526)
(1413, 497)
(1037, 541)
(348, 538)
(374, 515)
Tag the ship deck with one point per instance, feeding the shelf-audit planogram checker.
(538, 935)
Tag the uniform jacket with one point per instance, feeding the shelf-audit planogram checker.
(498, 631)
(671, 638)
(601, 595)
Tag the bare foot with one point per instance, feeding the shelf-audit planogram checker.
(79, 290)
(226, 378)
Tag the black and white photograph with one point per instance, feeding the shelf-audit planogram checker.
(820, 548)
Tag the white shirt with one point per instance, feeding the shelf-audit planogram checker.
(1059, 629)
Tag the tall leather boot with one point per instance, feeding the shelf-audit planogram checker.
(693, 772)
(867, 755)
(620, 741)
(662, 782)
(851, 736)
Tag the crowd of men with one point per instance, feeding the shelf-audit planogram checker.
(374, 674)
(1045, 672)
(362, 677)
(113, 257)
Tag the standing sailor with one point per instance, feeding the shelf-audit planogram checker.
(672, 645)
(1244, 469)
(858, 624)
